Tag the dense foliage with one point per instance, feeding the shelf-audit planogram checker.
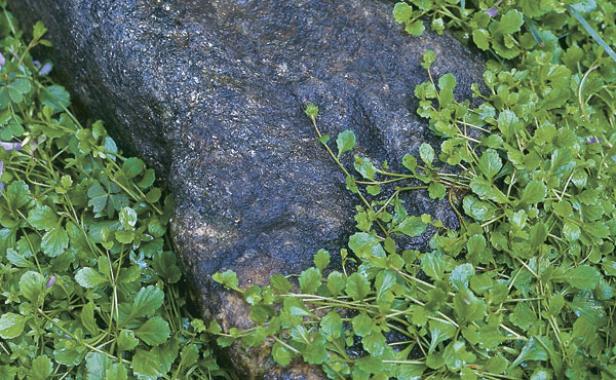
(525, 288)
(88, 288)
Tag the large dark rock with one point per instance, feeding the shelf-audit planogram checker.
(211, 93)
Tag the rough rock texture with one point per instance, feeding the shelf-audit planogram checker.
(211, 93)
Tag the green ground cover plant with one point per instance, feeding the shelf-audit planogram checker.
(525, 288)
(88, 286)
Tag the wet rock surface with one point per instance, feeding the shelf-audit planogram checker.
(211, 94)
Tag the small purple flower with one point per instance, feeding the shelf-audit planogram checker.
(492, 12)
(36, 63)
(10, 146)
(2, 60)
(7, 146)
(46, 69)
(51, 281)
(593, 140)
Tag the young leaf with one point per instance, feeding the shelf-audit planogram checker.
(532, 351)
(55, 242)
(374, 343)
(511, 22)
(487, 191)
(128, 217)
(481, 38)
(97, 197)
(11, 325)
(571, 231)
(321, 259)
(402, 12)
(117, 371)
(416, 28)
(38, 30)
(42, 218)
(446, 84)
(345, 141)
(280, 283)
(426, 153)
(478, 210)
(428, 58)
(437, 190)
(31, 286)
(227, 278)
(154, 331)
(357, 286)
(384, 282)
(315, 352)
(310, 280)
(146, 363)
(522, 316)
(490, 164)
(145, 303)
(56, 98)
(331, 325)
(336, 282)
(89, 278)
(18, 194)
(583, 277)
(88, 320)
(433, 264)
(412, 226)
(362, 324)
(409, 162)
(281, 354)
(365, 167)
(42, 368)
(460, 276)
(132, 167)
(127, 341)
(476, 246)
(534, 192)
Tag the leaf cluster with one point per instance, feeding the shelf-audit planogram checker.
(525, 288)
(88, 286)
